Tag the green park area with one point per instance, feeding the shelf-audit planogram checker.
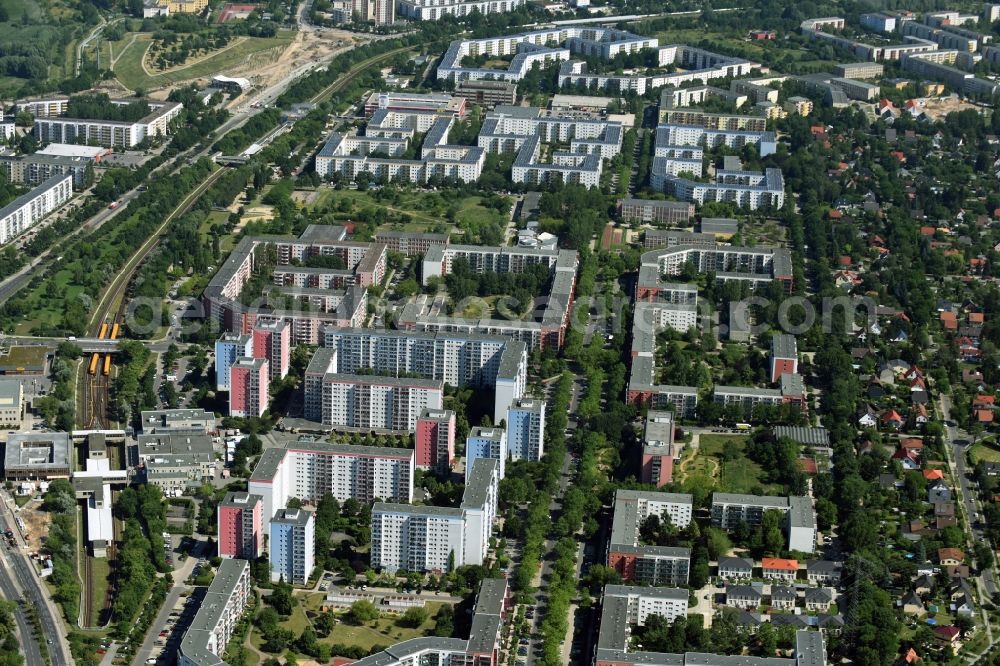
(387, 629)
(720, 462)
(128, 56)
(404, 210)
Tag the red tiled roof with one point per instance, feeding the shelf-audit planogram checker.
(778, 563)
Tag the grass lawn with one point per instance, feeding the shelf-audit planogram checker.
(130, 72)
(101, 570)
(21, 500)
(740, 475)
(383, 631)
(985, 451)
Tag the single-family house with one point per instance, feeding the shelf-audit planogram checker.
(818, 598)
(743, 596)
(912, 604)
(783, 597)
(735, 568)
(777, 568)
(824, 572)
(947, 556)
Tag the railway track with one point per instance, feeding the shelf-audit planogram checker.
(342, 82)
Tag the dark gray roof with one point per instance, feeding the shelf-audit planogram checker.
(735, 562)
(804, 435)
(483, 471)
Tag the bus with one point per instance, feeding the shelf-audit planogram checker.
(104, 331)
(107, 365)
(742, 426)
(93, 363)
(114, 331)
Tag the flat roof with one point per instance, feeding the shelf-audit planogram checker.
(194, 644)
(784, 345)
(750, 500)
(646, 592)
(267, 464)
(37, 451)
(296, 517)
(74, 150)
(416, 509)
(476, 494)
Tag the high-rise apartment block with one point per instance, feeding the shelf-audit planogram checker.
(526, 429)
(370, 402)
(457, 359)
(272, 340)
(292, 545)
(485, 443)
(248, 390)
(240, 523)
(228, 348)
(309, 470)
(432, 538)
(435, 439)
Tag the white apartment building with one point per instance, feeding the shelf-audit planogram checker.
(694, 65)
(728, 510)
(632, 507)
(485, 443)
(479, 507)
(387, 137)
(204, 643)
(526, 429)
(430, 538)
(507, 128)
(371, 402)
(431, 10)
(745, 189)
(416, 538)
(669, 137)
(110, 133)
(309, 470)
(29, 209)
(662, 315)
(458, 359)
(292, 546)
(668, 602)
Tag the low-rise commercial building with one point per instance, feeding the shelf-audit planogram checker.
(160, 421)
(42, 456)
(175, 461)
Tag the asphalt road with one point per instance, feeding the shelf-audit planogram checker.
(956, 441)
(22, 572)
(11, 592)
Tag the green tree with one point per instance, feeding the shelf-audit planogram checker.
(362, 611)
(414, 617)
